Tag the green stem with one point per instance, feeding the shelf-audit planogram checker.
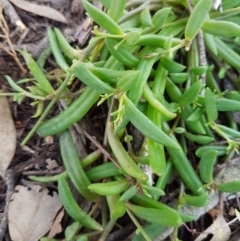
(104, 211)
(107, 229)
(138, 225)
(47, 110)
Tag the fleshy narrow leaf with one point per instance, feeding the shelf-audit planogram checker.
(109, 188)
(145, 18)
(224, 104)
(211, 107)
(153, 215)
(72, 230)
(224, 29)
(37, 73)
(153, 230)
(172, 66)
(229, 187)
(210, 43)
(147, 127)
(190, 94)
(81, 71)
(101, 18)
(160, 17)
(197, 17)
(116, 9)
(228, 54)
(206, 165)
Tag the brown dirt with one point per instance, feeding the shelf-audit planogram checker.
(33, 160)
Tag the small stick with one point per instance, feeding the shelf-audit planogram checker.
(11, 13)
(202, 55)
(5, 35)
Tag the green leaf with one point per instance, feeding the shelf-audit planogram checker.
(82, 238)
(168, 43)
(210, 43)
(81, 71)
(160, 17)
(224, 29)
(224, 104)
(190, 94)
(102, 19)
(133, 37)
(106, 3)
(200, 139)
(221, 150)
(147, 127)
(211, 108)
(73, 209)
(232, 133)
(158, 20)
(116, 9)
(153, 215)
(152, 203)
(178, 78)
(128, 194)
(109, 188)
(121, 53)
(153, 191)
(172, 66)
(156, 104)
(179, 130)
(37, 73)
(127, 81)
(117, 207)
(197, 17)
(146, 18)
(229, 55)
(206, 165)
(199, 70)
(72, 230)
(229, 187)
(230, 4)
(153, 230)
(233, 95)
(197, 201)
(196, 114)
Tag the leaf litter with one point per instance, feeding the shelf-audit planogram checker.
(7, 137)
(32, 212)
(215, 224)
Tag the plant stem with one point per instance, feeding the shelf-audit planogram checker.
(138, 225)
(47, 110)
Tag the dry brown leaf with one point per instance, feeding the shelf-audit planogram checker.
(7, 136)
(56, 227)
(40, 10)
(51, 164)
(31, 213)
(219, 229)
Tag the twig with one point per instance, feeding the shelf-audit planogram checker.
(13, 16)
(5, 30)
(4, 220)
(96, 143)
(202, 55)
(44, 172)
